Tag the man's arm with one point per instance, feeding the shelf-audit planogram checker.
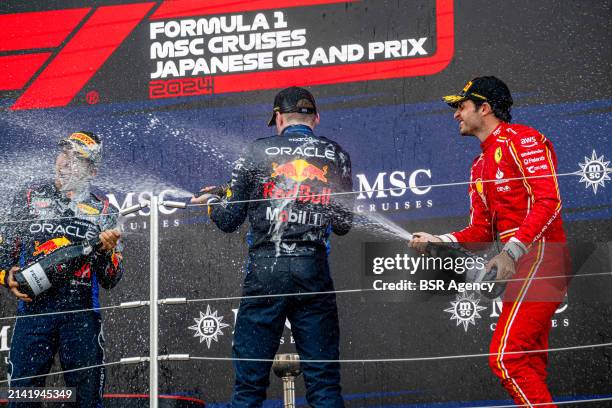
(231, 211)
(342, 217)
(537, 165)
(107, 263)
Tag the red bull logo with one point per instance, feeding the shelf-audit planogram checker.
(51, 245)
(299, 170)
(301, 193)
(116, 257)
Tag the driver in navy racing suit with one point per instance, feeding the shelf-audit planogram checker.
(291, 177)
(43, 219)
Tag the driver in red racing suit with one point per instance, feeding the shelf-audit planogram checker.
(515, 199)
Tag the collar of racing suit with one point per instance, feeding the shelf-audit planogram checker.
(297, 129)
(488, 142)
(77, 197)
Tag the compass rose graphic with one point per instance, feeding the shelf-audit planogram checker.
(209, 326)
(594, 171)
(465, 310)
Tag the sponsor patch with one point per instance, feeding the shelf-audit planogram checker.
(498, 155)
(306, 151)
(532, 152)
(531, 160)
(41, 203)
(49, 246)
(294, 217)
(529, 141)
(533, 169)
(299, 170)
(87, 209)
(116, 258)
(479, 186)
(300, 192)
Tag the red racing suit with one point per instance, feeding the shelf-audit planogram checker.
(515, 198)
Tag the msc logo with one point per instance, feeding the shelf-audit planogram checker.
(465, 310)
(395, 184)
(594, 171)
(142, 198)
(395, 179)
(209, 326)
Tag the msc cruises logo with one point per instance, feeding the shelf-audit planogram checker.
(594, 171)
(209, 326)
(465, 310)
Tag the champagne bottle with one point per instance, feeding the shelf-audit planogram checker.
(54, 269)
(475, 275)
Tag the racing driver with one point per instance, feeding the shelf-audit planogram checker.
(514, 199)
(45, 218)
(291, 178)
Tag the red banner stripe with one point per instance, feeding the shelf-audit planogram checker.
(43, 29)
(366, 71)
(79, 60)
(16, 70)
(187, 8)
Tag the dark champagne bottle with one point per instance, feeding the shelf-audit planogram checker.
(476, 275)
(54, 269)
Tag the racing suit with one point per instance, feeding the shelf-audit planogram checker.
(47, 220)
(515, 198)
(294, 173)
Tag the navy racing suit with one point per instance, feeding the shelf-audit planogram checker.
(293, 178)
(42, 220)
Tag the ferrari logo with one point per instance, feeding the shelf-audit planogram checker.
(498, 155)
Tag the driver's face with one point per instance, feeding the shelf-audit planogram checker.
(468, 116)
(70, 166)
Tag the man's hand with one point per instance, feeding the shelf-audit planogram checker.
(420, 240)
(504, 264)
(208, 192)
(109, 239)
(14, 286)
